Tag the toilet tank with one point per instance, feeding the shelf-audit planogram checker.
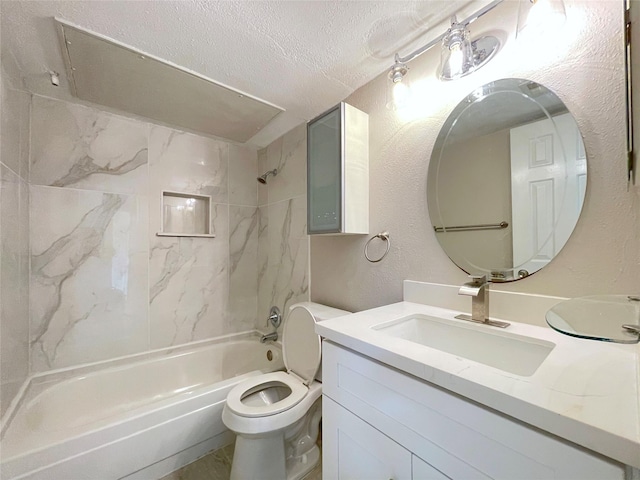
(320, 313)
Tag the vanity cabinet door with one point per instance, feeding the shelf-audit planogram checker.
(354, 450)
(421, 470)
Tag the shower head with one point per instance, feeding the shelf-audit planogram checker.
(263, 178)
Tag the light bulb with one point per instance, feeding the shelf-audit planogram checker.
(544, 17)
(456, 58)
(401, 94)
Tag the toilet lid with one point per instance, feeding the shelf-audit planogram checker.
(301, 348)
(235, 396)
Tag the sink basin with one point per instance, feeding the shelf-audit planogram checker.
(506, 351)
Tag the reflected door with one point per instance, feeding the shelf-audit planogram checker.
(548, 182)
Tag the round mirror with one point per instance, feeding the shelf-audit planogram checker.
(506, 180)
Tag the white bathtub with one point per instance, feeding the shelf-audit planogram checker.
(138, 418)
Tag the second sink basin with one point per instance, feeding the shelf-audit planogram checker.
(509, 352)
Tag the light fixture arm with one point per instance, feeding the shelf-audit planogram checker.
(471, 18)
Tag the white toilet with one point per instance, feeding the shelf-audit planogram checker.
(276, 416)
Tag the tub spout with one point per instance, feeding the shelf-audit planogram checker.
(269, 337)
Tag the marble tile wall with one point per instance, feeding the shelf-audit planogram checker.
(14, 242)
(283, 243)
(103, 284)
(89, 248)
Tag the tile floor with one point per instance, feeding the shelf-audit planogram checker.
(217, 466)
(213, 466)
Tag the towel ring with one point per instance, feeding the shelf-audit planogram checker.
(382, 236)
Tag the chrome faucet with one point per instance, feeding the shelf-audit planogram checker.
(269, 337)
(478, 290)
(275, 318)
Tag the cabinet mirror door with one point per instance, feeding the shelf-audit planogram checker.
(325, 173)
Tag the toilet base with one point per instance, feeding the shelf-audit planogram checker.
(285, 454)
(258, 458)
(263, 459)
(298, 467)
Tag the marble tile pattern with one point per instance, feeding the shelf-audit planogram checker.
(183, 162)
(14, 284)
(243, 267)
(263, 190)
(283, 278)
(103, 284)
(14, 130)
(243, 167)
(188, 277)
(283, 243)
(289, 155)
(189, 285)
(80, 147)
(88, 276)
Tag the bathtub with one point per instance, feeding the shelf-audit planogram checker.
(140, 417)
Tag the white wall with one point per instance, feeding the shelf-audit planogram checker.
(583, 64)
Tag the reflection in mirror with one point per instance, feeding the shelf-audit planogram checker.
(507, 180)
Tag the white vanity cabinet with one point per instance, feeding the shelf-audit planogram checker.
(338, 172)
(380, 423)
(353, 449)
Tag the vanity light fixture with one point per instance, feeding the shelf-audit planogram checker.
(539, 17)
(460, 56)
(399, 93)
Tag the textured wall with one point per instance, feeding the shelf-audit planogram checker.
(483, 162)
(583, 65)
(14, 242)
(102, 283)
(283, 250)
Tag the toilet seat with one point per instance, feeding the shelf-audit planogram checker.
(301, 351)
(234, 399)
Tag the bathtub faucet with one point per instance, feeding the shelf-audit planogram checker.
(275, 318)
(269, 337)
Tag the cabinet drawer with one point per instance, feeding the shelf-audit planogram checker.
(458, 437)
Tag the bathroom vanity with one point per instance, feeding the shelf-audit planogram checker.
(411, 392)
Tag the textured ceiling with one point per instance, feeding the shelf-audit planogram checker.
(303, 56)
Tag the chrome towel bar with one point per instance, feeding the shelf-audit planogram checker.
(462, 228)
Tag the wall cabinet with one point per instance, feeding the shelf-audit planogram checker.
(430, 433)
(338, 172)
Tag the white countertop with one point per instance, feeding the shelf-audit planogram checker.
(585, 391)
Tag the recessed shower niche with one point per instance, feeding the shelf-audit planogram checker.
(185, 215)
